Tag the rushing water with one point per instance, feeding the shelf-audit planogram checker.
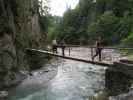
(62, 80)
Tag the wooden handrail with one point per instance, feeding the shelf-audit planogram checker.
(108, 47)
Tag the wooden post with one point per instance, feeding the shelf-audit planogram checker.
(91, 53)
(69, 51)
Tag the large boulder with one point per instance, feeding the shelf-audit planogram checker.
(126, 96)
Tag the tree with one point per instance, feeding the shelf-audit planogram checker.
(106, 27)
(43, 10)
(110, 19)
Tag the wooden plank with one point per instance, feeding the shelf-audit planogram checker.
(70, 58)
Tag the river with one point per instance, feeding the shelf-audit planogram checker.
(62, 79)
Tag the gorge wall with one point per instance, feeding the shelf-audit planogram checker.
(119, 77)
(19, 29)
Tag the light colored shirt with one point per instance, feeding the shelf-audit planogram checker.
(54, 42)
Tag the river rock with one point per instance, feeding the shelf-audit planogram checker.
(126, 96)
(3, 94)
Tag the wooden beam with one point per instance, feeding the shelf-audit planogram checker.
(70, 58)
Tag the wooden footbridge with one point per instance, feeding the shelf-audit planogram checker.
(67, 57)
(78, 59)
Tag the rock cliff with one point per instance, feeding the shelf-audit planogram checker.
(19, 29)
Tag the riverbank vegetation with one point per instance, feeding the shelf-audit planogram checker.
(92, 18)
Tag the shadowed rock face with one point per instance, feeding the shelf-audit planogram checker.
(8, 57)
(118, 77)
(117, 82)
(126, 96)
(19, 29)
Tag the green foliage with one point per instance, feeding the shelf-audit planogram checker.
(129, 40)
(112, 28)
(73, 26)
(119, 8)
(106, 27)
(110, 19)
(53, 23)
(43, 10)
(125, 26)
(130, 82)
(43, 20)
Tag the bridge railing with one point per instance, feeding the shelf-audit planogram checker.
(107, 56)
(90, 51)
(104, 47)
(92, 48)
